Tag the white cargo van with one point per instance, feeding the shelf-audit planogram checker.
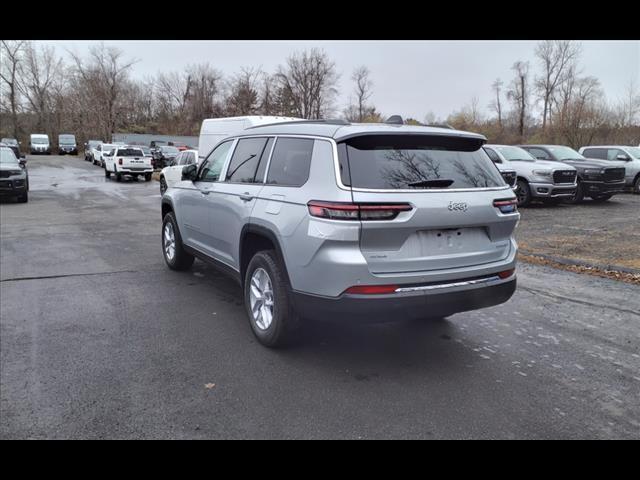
(39, 143)
(215, 129)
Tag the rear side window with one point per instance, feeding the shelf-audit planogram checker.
(129, 152)
(290, 162)
(600, 153)
(245, 159)
(493, 155)
(419, 161)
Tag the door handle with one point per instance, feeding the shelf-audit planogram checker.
(246, 197)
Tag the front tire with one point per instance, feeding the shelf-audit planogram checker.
(267, 300)
(163, 185)
(579, 196)
(523, 193)
(172, 249)
(601, 198)
(636, 186)
(24, 198)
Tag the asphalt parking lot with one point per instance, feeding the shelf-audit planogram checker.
(98, 339)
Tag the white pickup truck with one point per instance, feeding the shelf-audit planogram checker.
(125, 160)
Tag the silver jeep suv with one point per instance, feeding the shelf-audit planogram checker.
(331, 220)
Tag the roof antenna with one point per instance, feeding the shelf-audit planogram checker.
(394, 120)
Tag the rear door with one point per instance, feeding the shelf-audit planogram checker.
(232, 200)
(450, 186)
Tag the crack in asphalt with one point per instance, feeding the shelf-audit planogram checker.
(535, 291)
(47, 277)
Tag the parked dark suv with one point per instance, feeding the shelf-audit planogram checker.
(598, 179)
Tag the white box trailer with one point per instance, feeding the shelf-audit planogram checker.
(214, 130)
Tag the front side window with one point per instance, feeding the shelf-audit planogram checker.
(613, 153)
(419, 161)
(244, 162)
(290, 162)
(212, 166)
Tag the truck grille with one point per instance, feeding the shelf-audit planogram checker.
(613, 174)
(564, 176)
(510, 177)
(5, 174)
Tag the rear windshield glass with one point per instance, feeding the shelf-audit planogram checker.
(418, 161)
(170, 150)
(129, 152)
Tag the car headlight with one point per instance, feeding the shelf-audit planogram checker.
(542, 173)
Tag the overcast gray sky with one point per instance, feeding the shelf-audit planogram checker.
(411, 78)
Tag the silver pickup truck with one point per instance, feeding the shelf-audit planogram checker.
(537, 179)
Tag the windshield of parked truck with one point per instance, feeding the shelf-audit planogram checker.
(634, 151)
(7, 156)
(515, 154)
(565, 153)
(169, 150)
(67, 139)
(39, 140)
(418, 161)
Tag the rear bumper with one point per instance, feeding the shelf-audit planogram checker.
(603, 188)
(129, 171)
(550, 190)
(440, 302)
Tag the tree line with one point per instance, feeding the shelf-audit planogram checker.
(95, 95)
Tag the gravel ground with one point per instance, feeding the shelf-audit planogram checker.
(601, 234)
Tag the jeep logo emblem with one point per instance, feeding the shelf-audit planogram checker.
(457, 207)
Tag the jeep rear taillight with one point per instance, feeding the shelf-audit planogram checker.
(507, 205)
(119, 161)
(357, 211)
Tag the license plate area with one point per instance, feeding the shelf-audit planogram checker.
(452, 240)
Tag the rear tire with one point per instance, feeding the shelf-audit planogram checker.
(163, 185)
(118, 176)
(523, 193)
(267, 300)
(636, 186)
(173, 251)
(147, 177)
(24, 198)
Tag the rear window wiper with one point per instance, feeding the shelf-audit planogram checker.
(438, 183)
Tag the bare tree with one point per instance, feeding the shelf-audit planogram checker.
(363, 86)
(243, 92)
(307, 84)
(496, 103)
(37, 74)
(518, 93)
(555, 57)
(105, 73)
(11, 53)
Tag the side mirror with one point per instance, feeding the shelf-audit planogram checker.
(622, 157)
(189, 172)
(22, 155)
(23, 163)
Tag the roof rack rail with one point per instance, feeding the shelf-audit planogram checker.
(329, 121)
(441, 125)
